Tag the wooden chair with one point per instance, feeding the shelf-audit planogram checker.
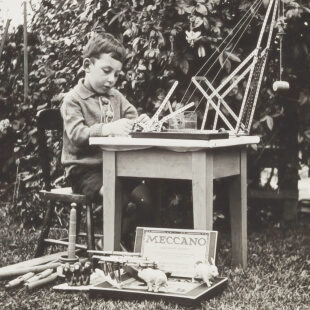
(50, 119)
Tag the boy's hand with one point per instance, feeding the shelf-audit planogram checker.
(143, 118)
(121, 127)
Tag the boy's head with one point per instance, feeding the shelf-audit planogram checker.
(103, 58)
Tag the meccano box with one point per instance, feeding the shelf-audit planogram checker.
(175, 252)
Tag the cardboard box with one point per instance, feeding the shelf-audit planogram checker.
(175, 251)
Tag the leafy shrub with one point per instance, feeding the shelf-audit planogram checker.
(165, 40)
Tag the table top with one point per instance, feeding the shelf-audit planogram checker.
(129, 143)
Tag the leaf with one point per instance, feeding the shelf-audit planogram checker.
(198, 22)
(233, 57)
(42, 81)
(307, 134)
(269, 122)
(201, 51)
(201, 8)
(221, 59)
(184, 65)
(115, 17)
(141, 67)
(128, 32)
(303, 98)
(192, 36)
(60, 81)
(227, 65)
(68, 41)
(265, 3)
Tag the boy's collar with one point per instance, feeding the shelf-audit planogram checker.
(85, 93)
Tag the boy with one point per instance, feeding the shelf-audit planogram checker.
(95, 108)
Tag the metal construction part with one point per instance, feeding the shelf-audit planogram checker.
(237, 121)
(253, 66)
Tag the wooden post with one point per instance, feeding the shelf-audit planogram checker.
(5, 34)
(202, 187)
(238, 213)
(72, 232)
(25, 55)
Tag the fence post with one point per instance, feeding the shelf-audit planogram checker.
(5, 34)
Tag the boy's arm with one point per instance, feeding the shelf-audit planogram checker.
(74, 124)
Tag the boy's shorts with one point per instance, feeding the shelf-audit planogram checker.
(87, 180)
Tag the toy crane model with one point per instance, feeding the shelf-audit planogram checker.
(213, 93)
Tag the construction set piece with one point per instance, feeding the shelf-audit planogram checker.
(237, 121)
(78, 273)
(112, 265)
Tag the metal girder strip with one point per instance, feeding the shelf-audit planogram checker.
(189, 105)
(246, 90)
(233, 74)
(216, 115)
(212, 103)
(272, 25)
(155, 116)
(222, 100)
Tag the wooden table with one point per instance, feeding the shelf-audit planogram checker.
(196, 160)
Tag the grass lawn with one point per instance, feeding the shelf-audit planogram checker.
(278, 275)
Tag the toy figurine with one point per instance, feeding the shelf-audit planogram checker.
(205, 271)
(154, 278)
(78, 273)
(85, 275)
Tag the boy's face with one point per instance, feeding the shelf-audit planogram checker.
(102, 73)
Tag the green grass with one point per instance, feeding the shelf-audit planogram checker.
(277, 277)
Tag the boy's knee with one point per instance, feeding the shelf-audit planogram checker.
(141, 196)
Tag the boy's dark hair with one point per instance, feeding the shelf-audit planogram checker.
(104, 43)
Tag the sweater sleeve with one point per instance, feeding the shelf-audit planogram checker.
(74, 123)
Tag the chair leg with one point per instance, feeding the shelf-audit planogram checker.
(90, 227)
(45, 228)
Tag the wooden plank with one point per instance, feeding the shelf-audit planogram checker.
(238, 214)
(112, 210)
(226, 162)
(24, 270)
(202, 185)
(33, 262)
(154, 163)
(79, 199)
(128, 143)
(65, 243)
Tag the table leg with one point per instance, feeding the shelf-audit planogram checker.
(202, 185)
(112, 204)
(238, 213)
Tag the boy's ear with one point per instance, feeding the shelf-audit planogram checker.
(86, 64)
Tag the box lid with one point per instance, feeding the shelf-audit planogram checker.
(176, 250)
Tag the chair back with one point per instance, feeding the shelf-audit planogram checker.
(47, 119)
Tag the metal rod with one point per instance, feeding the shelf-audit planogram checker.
(61, 242)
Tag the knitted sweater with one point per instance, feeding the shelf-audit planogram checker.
(83, 114)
